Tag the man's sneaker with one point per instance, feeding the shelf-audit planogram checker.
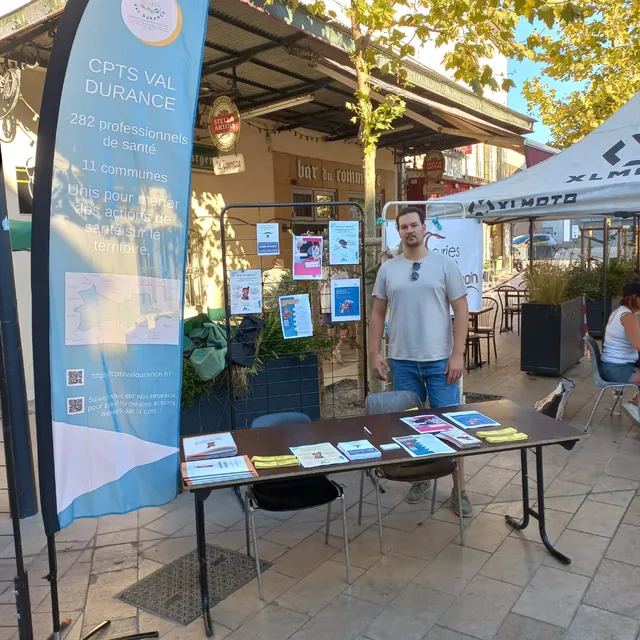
(467, 509)
(631, 410)
(418, 492)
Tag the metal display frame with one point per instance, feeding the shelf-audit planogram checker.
(225, 279)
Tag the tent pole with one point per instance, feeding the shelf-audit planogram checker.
(605, 262)
(636, 232)
(531, 243)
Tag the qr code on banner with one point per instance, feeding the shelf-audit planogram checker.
(75, 377)
(75, 406)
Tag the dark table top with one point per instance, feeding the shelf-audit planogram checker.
(274, 441)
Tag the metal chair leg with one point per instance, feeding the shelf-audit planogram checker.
(326, 534)
(379, 512)
(618, 393)
(347, 555)
(433, 496)
(594, 409)
(459, 496)
(362, 474)
(256, 552)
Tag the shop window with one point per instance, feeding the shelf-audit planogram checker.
(302, 212)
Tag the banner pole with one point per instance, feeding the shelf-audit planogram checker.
(27, 502)
(52, 578)
(21, 581)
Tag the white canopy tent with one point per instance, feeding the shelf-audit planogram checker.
(598, 176)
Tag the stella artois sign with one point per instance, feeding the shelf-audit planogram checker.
(433, 166)
(224, 124)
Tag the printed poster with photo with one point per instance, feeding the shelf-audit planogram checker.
(344, 242)
(246, 291)
(345, 300)
(268, 239)
(307, 257)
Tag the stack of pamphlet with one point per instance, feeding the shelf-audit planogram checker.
(359, 450)
(209, 447)
(222, 470)
(318, 455)
(459, 438)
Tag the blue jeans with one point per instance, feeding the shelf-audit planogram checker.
(618, 371)
(425, 379)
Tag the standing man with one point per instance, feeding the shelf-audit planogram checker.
(418, 287)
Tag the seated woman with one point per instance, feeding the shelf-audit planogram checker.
(622, 339)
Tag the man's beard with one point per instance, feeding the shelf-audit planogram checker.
(413, 241)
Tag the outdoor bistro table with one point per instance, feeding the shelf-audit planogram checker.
(542, 431)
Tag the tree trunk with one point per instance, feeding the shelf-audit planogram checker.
(369, 166)
(365, 114)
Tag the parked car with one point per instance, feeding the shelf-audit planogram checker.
(545, 246)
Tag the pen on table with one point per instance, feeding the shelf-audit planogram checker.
(367, 430)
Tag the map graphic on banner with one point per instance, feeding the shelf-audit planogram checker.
(114, 309)
(111, 210)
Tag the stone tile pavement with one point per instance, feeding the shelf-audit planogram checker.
(502, 585)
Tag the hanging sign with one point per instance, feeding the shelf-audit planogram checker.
(110, 220)
(202, 157)
(434, 189)
(228, 164)
(224, 123)
(434, 165)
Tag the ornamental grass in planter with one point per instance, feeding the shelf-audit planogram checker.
(587, 280)
(552, 326)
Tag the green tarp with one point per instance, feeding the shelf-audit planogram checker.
(205, 343)
(20, 235)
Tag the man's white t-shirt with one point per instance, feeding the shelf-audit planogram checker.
(617, 347)
(420, 326)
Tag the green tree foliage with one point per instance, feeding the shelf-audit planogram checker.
(600, 50)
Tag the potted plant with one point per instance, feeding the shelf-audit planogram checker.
(552, 324)
(587, 280)
(284, 376)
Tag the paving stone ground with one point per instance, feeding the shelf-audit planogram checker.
(502, 585)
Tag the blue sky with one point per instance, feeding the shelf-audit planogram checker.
(521, 71)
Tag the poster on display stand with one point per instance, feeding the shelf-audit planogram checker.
(344, 242)
(246, 291)
(307, 257)
(345, 300)
(268, 239)
(295, 316)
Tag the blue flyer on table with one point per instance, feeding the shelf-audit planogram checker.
(470, 419)
(423, 445)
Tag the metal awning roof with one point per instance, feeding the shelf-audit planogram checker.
(259, 53)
